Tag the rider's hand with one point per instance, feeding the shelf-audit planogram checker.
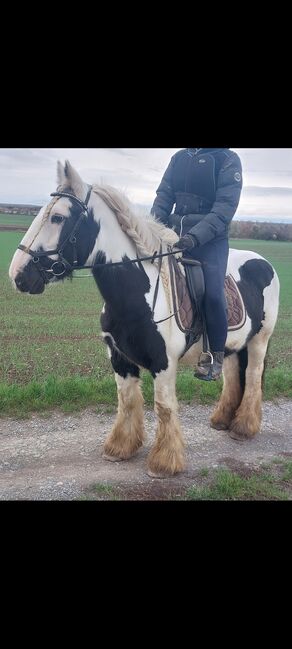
(185, 243)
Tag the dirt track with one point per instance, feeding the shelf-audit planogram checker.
(59, 457)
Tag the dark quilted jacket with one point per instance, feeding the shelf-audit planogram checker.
(205, 187)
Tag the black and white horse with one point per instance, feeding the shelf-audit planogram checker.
(96, 225)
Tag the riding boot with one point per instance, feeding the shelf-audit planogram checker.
(208, 371)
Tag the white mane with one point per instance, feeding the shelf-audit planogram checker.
(147, 233)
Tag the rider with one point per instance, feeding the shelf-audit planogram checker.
(205, 187)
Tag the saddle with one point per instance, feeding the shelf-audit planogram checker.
(188, 291)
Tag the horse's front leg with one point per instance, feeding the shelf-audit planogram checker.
(128, 433)
(167, 455)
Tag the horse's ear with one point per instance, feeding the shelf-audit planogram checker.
(61, 178)
(73, 180)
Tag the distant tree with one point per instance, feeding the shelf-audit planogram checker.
(259, 230)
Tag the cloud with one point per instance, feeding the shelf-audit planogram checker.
(269, 202)
(265, 192)
(29, 175)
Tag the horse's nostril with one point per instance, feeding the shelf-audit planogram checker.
(20, 283)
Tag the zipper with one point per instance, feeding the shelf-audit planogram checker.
(181, 225)
(187, 174)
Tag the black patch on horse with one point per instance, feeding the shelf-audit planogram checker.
(120, 364)
(86, 234)
(255, 276)
(128, 316)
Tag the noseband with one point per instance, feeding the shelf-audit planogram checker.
(60, 266)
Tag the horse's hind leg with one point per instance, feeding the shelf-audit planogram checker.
(167, 455)
(247, 421)
(232, 392)
(127, 434)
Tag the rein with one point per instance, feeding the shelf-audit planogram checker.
(131, 261)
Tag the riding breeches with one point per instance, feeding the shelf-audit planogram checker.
(214, 257)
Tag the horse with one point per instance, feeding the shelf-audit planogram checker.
(96, 226)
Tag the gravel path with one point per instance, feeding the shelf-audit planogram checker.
(59, 457)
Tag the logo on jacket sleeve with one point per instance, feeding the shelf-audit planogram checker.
(237, 177)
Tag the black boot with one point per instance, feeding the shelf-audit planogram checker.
(208, 370)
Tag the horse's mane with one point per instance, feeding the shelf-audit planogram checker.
(147, 233)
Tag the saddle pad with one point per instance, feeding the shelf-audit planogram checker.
(235, 305)
(182, 303)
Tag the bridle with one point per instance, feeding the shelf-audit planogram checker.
(60, 266)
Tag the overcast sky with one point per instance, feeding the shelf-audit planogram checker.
(29, 175)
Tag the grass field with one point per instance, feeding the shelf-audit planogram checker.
(51, 353)
(15, 219)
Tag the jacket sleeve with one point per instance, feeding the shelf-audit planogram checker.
(228, 192)
(165, 199)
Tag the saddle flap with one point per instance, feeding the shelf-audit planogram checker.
(182, 305)
(195, 281)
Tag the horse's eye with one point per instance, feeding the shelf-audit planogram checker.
(57, 218)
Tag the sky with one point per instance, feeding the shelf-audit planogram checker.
(29, 176)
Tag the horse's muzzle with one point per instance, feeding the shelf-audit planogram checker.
(24, 285)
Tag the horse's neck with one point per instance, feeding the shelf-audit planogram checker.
(122, 287)
(111, 240)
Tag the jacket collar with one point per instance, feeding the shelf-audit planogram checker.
(199, 151)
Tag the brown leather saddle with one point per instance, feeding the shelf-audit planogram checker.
(188, 291)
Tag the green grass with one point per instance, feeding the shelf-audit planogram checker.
(69, 394)
(16, 219)
(100, 491)
(228, 485)
(287, 475)
(56, 333)
(103, 489)
(51, 354)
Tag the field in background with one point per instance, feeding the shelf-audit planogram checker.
(51, 353)
(16, 219)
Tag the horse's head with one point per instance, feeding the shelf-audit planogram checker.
(61, 237)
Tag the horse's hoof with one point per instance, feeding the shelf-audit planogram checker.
(219, 426)
(237, 436)
(111, 458)
(159, 476)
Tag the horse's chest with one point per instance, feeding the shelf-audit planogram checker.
(139, 340)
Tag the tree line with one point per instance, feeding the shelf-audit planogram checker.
(258, 230)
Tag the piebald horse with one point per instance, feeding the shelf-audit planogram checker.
(96, 226)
